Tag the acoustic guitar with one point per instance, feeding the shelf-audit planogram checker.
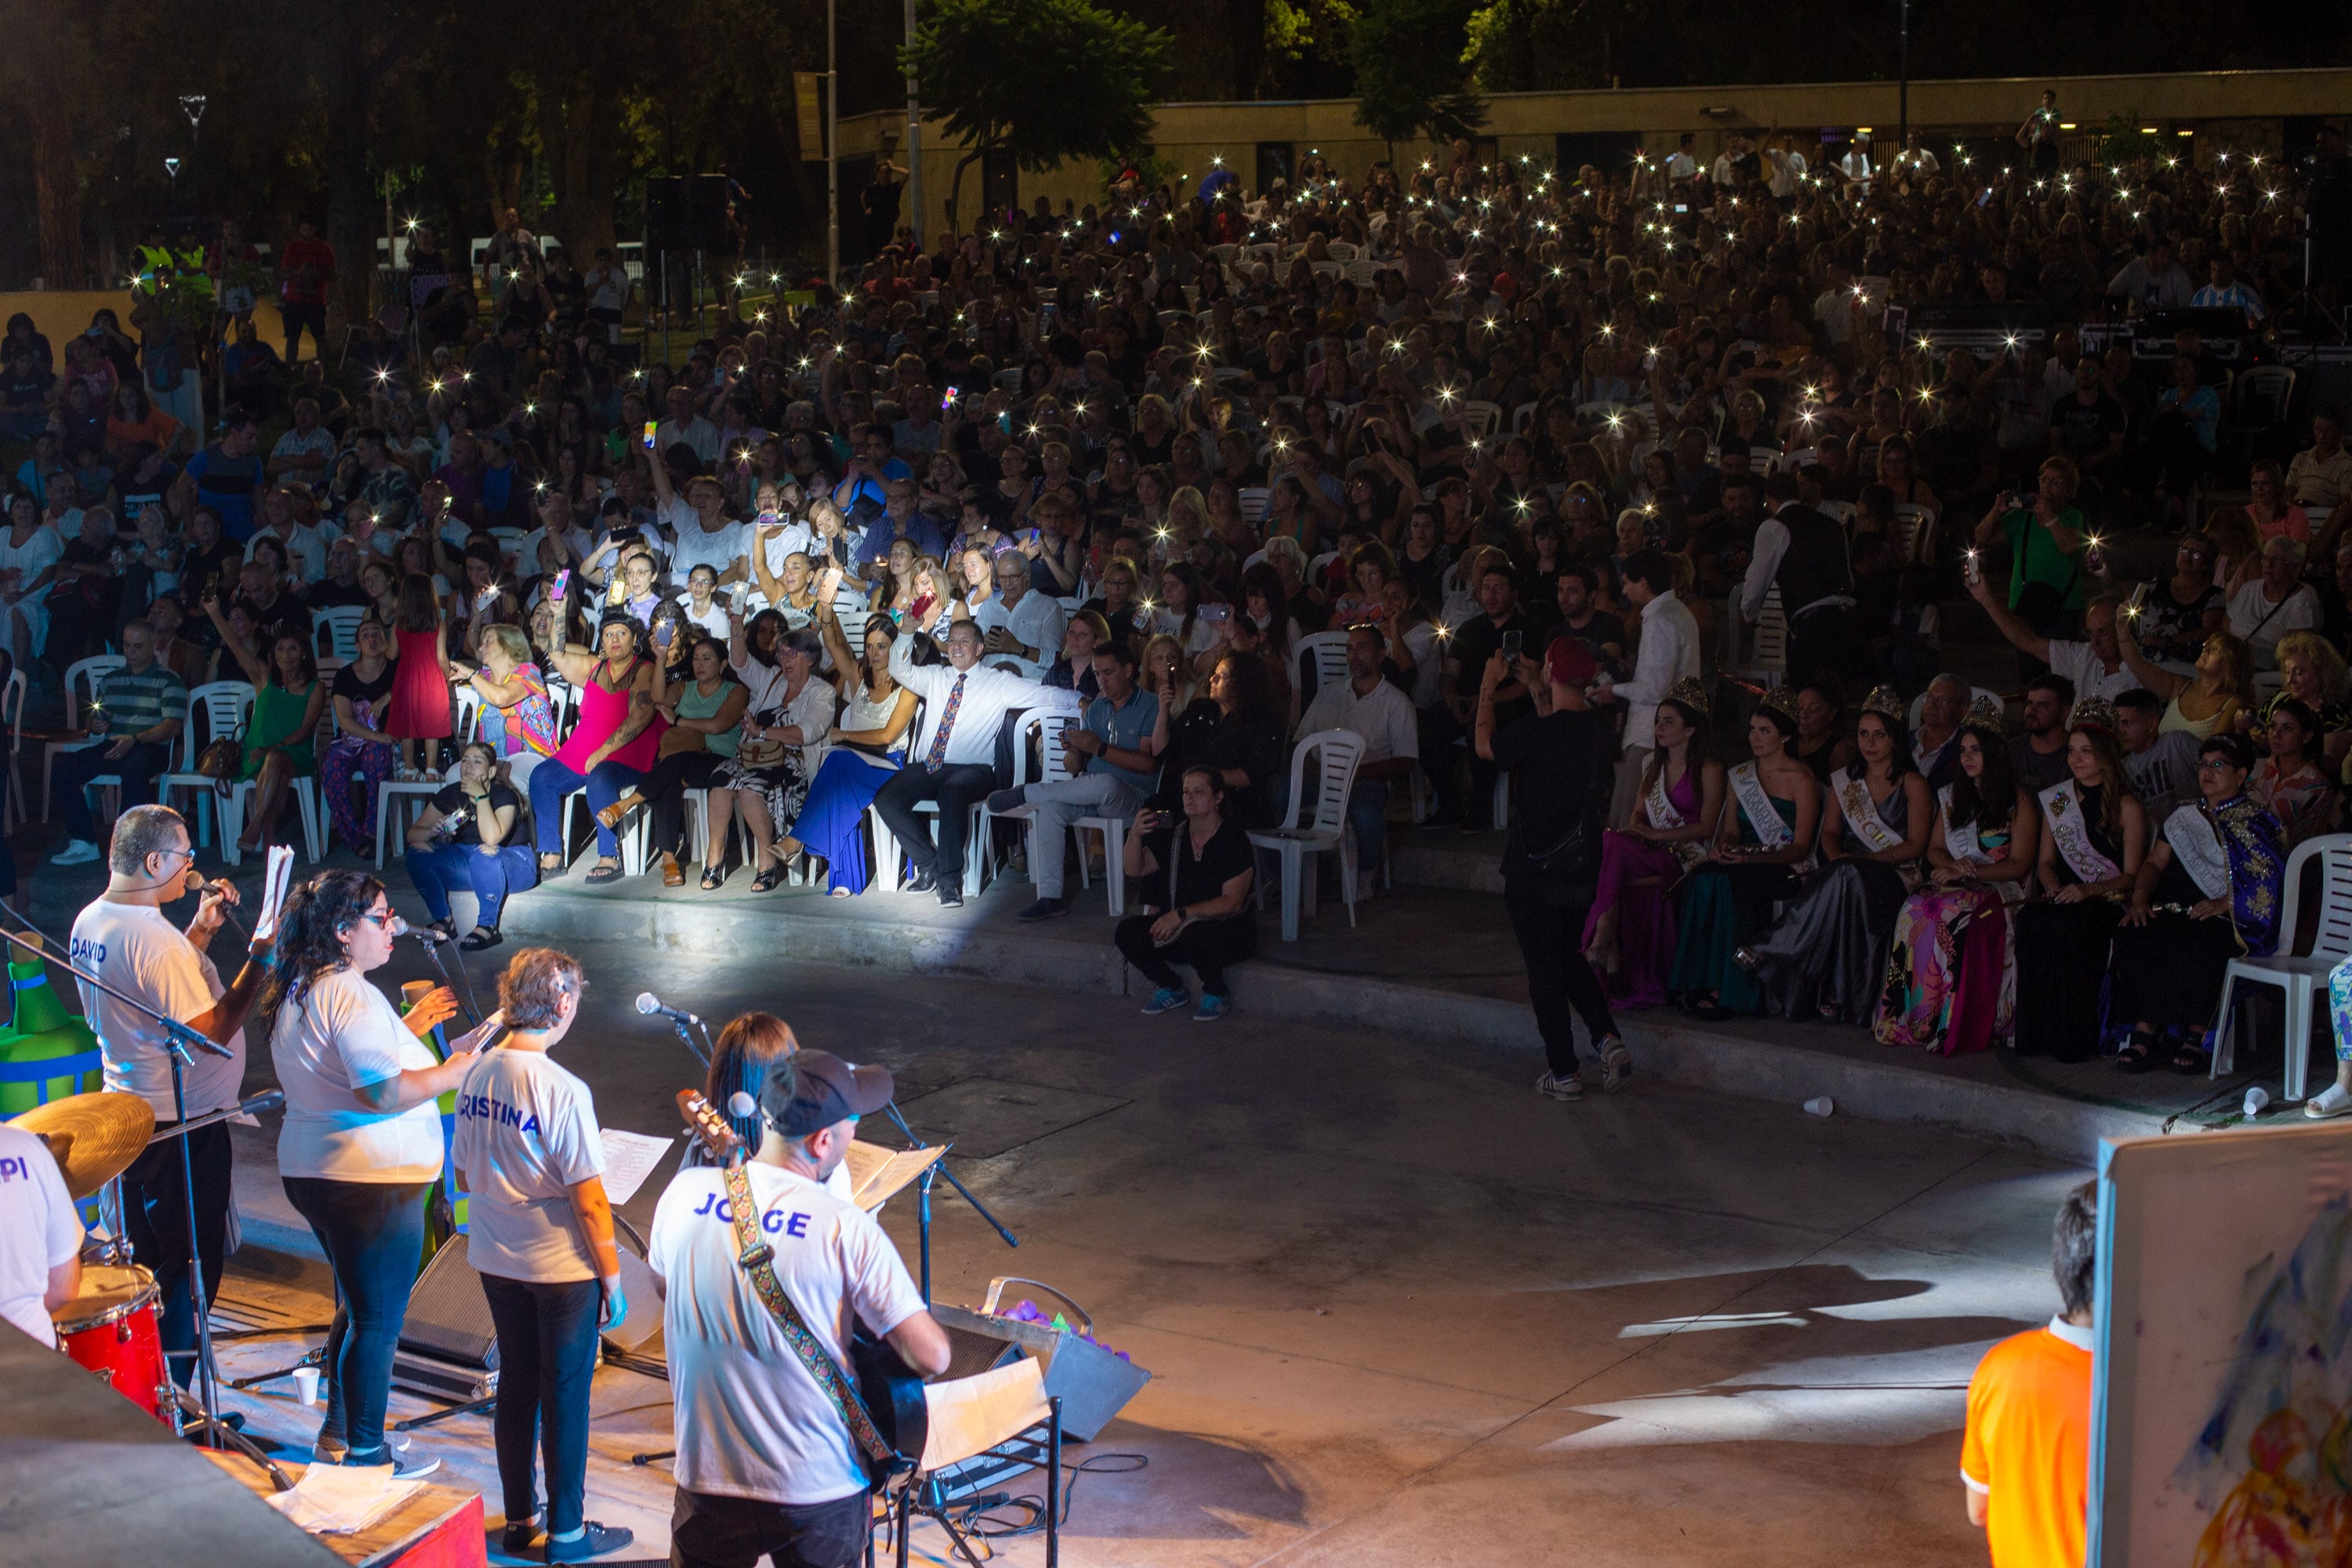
(888, 1392)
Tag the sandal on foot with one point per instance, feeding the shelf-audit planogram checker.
(557, 870)
(2187, 1060)
(612, 815)
(713, 879)
(2134, 1057)
(766, 881)
(671, 876)
(479, 938)
(446, 929)
(605, 871)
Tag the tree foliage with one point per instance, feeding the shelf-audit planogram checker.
(1038, 80)
(1410, 77)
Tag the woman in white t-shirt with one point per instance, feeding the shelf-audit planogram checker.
(539, 1233)
(362, 1139)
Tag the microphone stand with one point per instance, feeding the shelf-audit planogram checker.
(433, 950)
(185, 1043)
(923, 1200)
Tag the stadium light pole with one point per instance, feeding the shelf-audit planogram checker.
(1902, 81)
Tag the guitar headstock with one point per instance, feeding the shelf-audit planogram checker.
(710, 1128)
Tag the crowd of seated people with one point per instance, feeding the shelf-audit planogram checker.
(811, 578)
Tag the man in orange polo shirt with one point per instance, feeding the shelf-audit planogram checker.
(2026, 1459)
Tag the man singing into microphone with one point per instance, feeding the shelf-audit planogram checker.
(123, 939)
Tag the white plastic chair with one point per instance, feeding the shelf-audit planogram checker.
(2299, 976)
(394, 800)
(1325, 829)
(889, 868)
(1255, 501)
(85, 673)
(1046, 729)
(1914, 527)
(342, 624)
(218, 711)
(1766, 660)
(1330, 652)
(1480, 418)
(12, 714)
(1522, 416)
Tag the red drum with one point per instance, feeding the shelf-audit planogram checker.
(110, 1328)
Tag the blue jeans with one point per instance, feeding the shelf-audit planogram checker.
(552, 781)
(372, 1233)
(447, 868)
(546, 1354)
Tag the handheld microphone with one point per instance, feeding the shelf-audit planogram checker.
(651, 1006)
(228, 910)
(426, 935)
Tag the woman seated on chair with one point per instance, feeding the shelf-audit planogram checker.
(1629, 936)
(515, 716)
(2093, 835)
(1760, 845)
(362, 754)
(1828, 954)
(1236, 727)
(877, 715)
(2208, 892)
(608, 750)
(2312, 672)
(2200, 705)
(465, 842)
(2287, 783)
(1951, 971)
(706, 718)
(789, 714)
(287, 702)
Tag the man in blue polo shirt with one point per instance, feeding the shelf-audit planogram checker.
(228, 475)
(1113, 773)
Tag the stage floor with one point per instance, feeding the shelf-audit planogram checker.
(1399, 1309)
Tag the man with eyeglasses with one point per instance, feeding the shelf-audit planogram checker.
(123, 939)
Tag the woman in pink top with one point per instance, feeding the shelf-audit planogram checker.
(2273, 514)
(610, 748)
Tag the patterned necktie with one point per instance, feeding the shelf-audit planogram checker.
(937, 757)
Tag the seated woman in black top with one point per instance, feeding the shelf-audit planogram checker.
(1195, 890)
(1237, 728)
(466, 840)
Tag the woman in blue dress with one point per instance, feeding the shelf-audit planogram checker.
(858, 754)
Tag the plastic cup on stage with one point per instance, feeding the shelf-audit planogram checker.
(306, 1384)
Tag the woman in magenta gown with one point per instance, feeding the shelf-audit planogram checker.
(1629, 937)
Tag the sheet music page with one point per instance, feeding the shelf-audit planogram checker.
(629, 1159)
(877, 1174)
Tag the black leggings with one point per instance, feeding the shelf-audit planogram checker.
(1562, 986)
(663, 788)
(547, 1356)
(372, 1233)
(1207, 945)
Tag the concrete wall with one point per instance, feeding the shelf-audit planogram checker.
(2231, 107)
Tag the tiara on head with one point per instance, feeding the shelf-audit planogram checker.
(1985, 714)
(1781, 700)
(1887, 704)
(2095, 713)
(1688, 693)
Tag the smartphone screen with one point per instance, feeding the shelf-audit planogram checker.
(647, 438)
(1511, 641)
(562, 583)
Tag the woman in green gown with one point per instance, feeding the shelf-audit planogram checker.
(287, 699)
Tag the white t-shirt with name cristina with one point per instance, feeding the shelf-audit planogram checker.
(751, 1420)
(527, 1135)
(38, 1231)
(342, 1035)
(136, 949)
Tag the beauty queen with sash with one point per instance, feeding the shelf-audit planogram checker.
(1827, 957)
(1764, 841)
(2208, 892)
(1629, 937)
(1951, 969)
(2093, 834)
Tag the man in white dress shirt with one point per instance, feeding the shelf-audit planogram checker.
(955, 763)
(1366, 704)
(1667, 652)
(1016, 619)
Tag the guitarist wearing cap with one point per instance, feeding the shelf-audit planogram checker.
(762, 1301)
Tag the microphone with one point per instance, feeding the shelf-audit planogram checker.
(742, 1106)
(426, 935)
(651, 1006)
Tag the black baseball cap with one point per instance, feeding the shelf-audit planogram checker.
(826, 1090)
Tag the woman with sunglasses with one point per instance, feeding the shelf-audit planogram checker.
(361, 1141)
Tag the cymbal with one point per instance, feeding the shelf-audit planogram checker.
(94, 1136)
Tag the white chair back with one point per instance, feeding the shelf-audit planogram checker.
(2333, 938)
(86, 673)
(343, 625)
(1480, 418)
(227, 705)
(1255, 501)
(1330, 652)
(1341, 752)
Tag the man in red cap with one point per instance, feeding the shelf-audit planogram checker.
(1563, 760)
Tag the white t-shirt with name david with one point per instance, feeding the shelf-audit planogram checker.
(527, 1135)
(137, 950)
(751, 1420)
(342, 1035)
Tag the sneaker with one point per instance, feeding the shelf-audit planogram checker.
(328, 1451)
(76, 852)
(1006, 800)
(404, 1467)
(950, 895)
(1167, 999)
(1568, 1088)
(594, 1541)
(2329, 1102)
(1045, 910)
(1616, 1062)
(521, 1538)
(1211, 1008)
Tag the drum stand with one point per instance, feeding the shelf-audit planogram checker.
(198, 1415)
